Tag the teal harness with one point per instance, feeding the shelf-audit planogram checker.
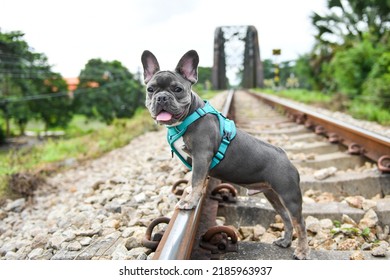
(227, 130)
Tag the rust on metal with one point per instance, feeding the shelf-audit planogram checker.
(334, 138)
(224, 192)
(150, 241)
(384, 163)
(176, 189)
(319, 130)
(220, 240)
(355, 149)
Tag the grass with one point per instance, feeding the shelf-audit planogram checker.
(359, 109)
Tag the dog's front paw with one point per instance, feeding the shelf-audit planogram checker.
(189, 201)
(186, 205)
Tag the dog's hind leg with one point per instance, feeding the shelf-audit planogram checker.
(293, 203)
(279, 207)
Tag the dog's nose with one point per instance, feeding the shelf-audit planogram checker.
(162, 99)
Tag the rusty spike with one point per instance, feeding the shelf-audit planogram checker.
(220, 239)
(355, 149)
(384, 164)
(179, 190)
(147, 240)
(224, 192)
(220, 229)
(300, 118)
(319, 130)
(309, 124)
(333, 138)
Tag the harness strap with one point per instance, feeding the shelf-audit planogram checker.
(227, 131)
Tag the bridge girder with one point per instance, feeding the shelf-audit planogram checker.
(252, 67)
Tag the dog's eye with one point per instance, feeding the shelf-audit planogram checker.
(150, 89)
(177, 89)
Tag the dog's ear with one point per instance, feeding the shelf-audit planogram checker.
(150, 64)
(188, 66)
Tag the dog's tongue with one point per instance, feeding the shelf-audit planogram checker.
(164, 116)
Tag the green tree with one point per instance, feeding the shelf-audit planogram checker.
(53, 105)
(204, 77)
(352, 66)
(27, 83)
(377, 85)
(14, 57)
(107, 90)
(349, 20)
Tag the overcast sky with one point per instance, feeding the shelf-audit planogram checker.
(73, 31)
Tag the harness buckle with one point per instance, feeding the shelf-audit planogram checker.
(227, 135)
(201, 112)
(219, 156)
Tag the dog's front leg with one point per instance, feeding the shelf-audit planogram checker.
(200, 170)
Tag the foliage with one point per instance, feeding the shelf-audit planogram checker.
(350, 59)
(352, 66)
(268, 69)
(107, 90)
(377, 85)
(57, 109)
(348, 20)
(204, 78)
(25, 76)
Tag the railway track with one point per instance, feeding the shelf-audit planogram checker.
(344, 176)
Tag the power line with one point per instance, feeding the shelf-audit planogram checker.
(58, 94)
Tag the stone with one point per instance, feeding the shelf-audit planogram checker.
(35, 254)
(69, 235)
(357, 255)
(326, 223)
(325, 173)
(246, 231)
(85, 241)
(39, 241)
(112, 223)
(348, 220)
(381, 250)
(16, 205)
(368, 204)
(277, 226)
(139, 198)
(313, 224)
(268, 238)
(366, 246)
(74, 246)
(355, 201)
(10, 255)
(8, 247)
(135, 252)
(258, 231)
(348, 244)
(132, 242)
(55, 241)
(120, 253)
(370, 219)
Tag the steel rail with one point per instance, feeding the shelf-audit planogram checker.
(369, 144)
(179, 238)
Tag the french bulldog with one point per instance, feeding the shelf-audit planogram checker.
(248, 161)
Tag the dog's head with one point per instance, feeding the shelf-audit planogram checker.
(168, 93)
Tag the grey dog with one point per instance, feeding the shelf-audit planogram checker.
(248, 161)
